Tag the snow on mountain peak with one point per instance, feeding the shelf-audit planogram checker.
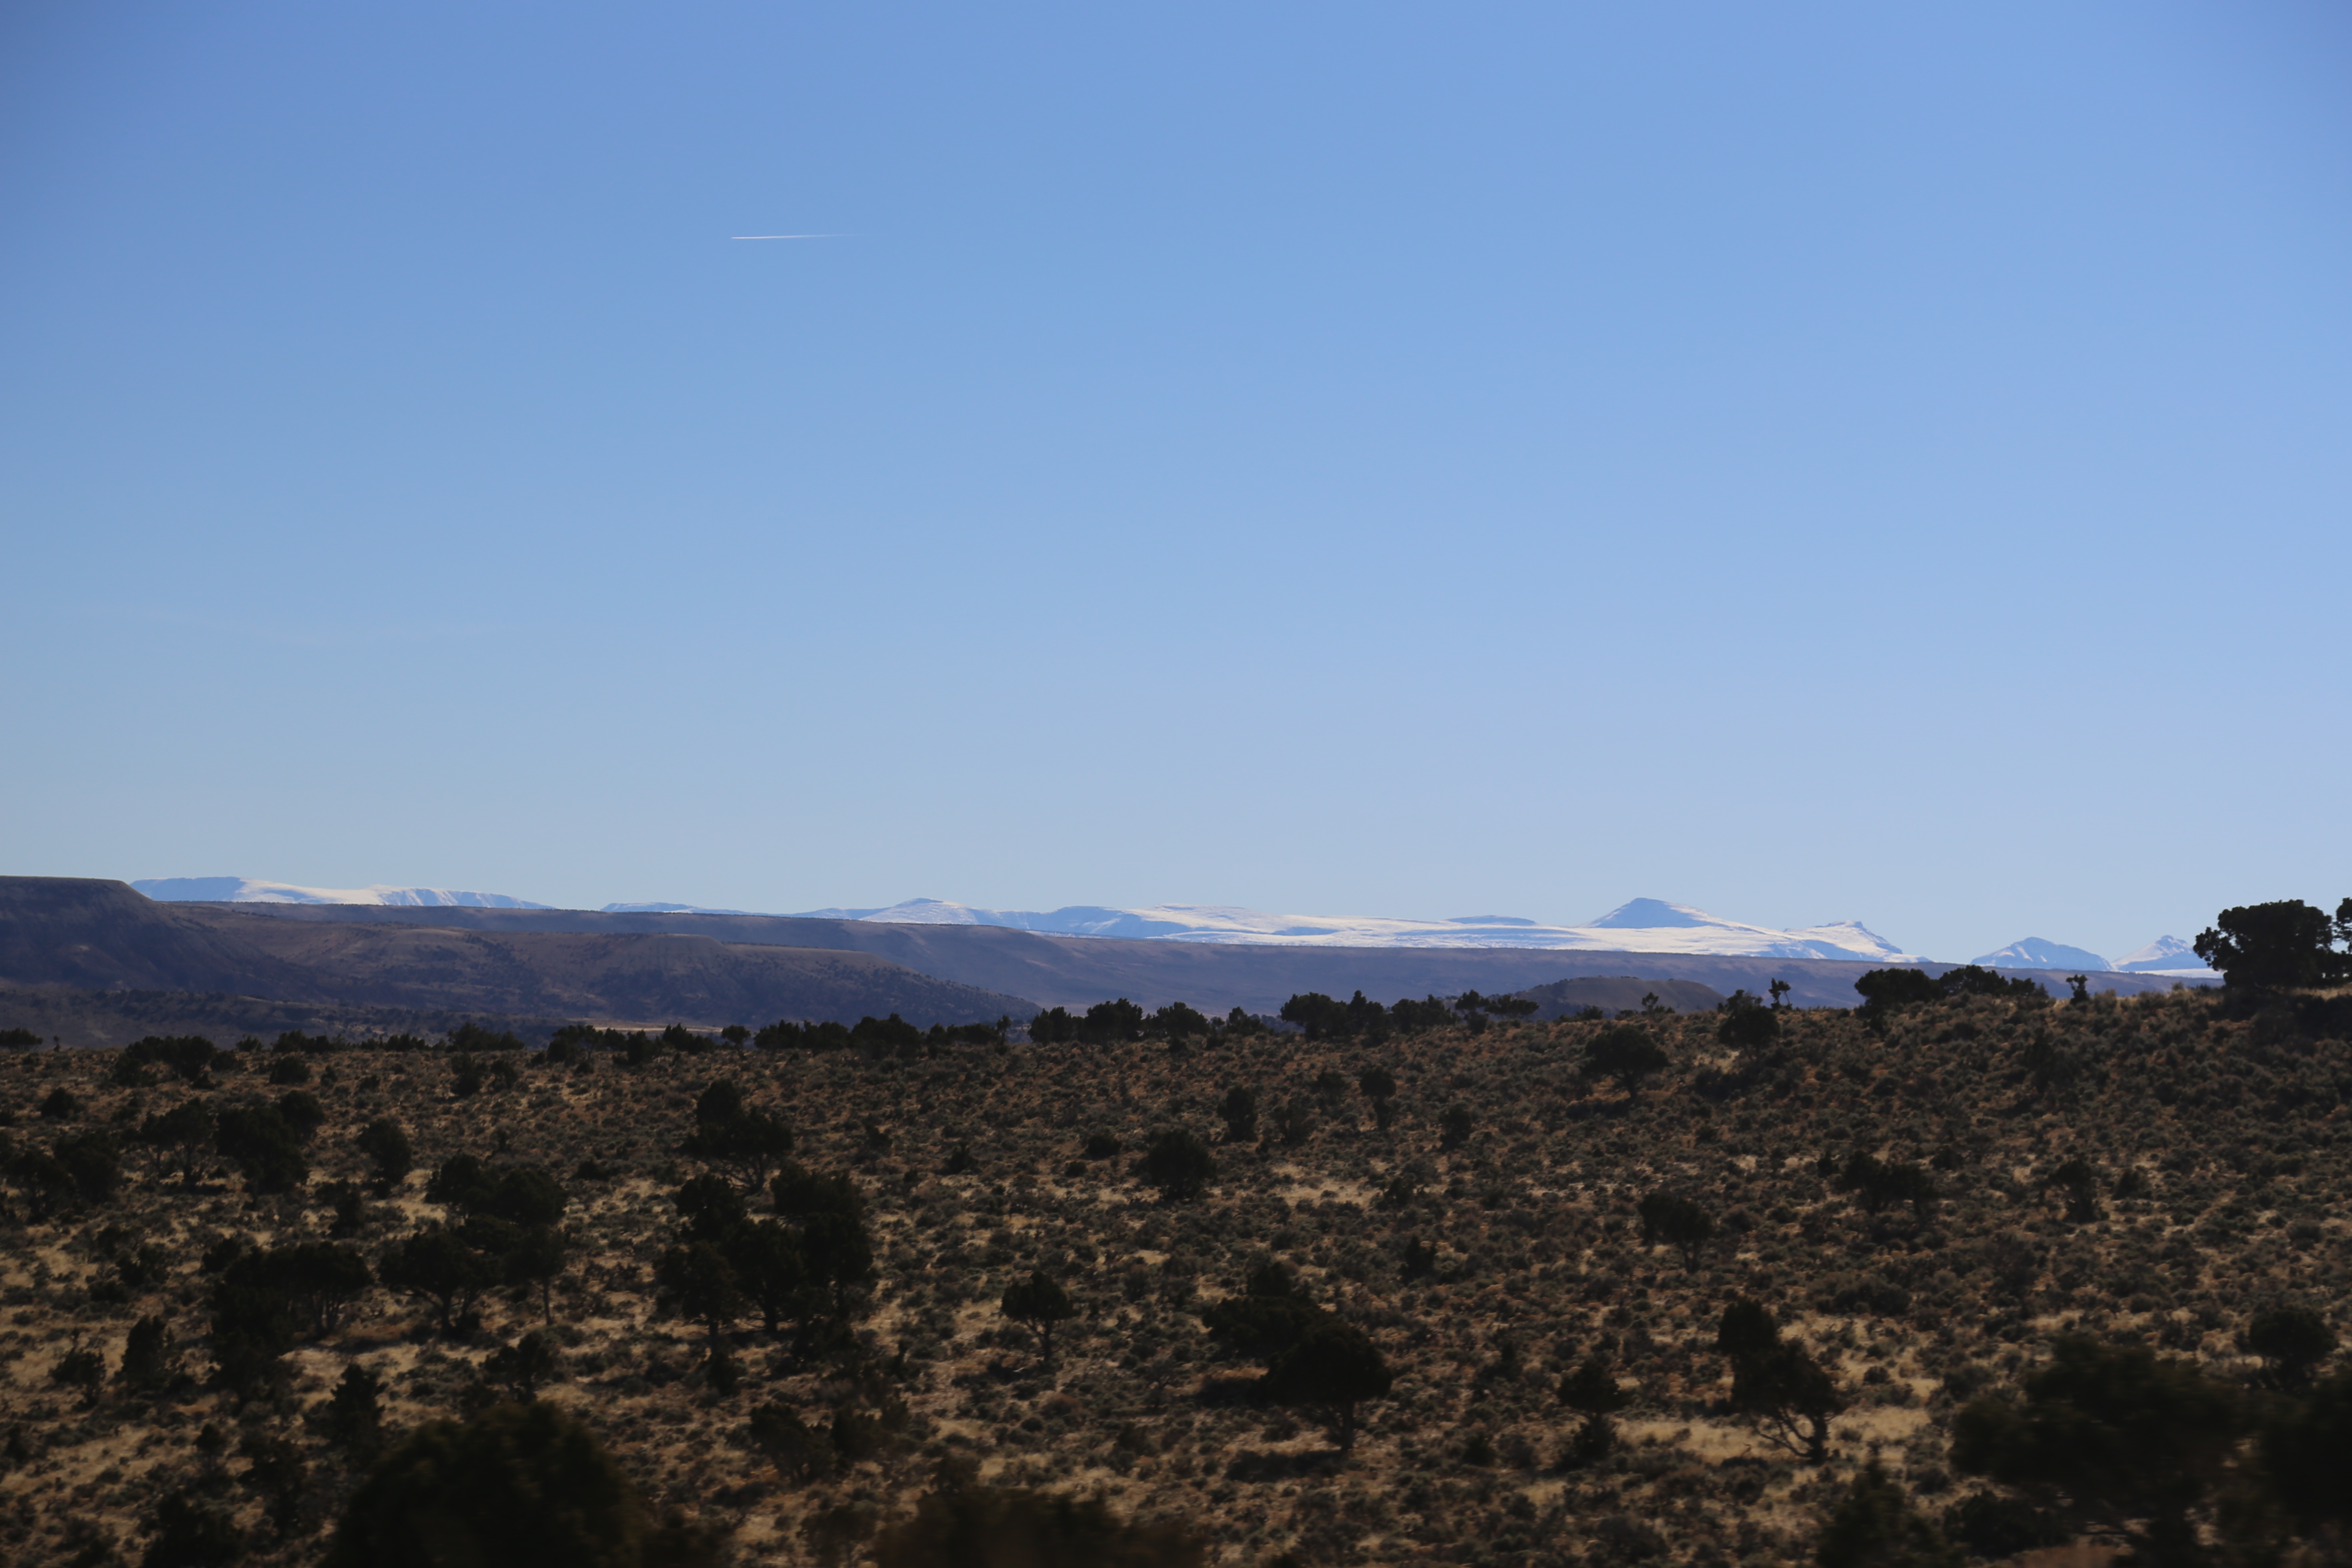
(2039, 952)
(2166, 955)
(248, 890)
(1652, 914)
(1645, 925)
(926, 912)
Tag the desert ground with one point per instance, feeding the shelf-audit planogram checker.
(1487, 1240)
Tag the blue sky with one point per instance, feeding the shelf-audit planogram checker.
(1812, 462)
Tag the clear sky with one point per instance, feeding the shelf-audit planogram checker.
(1809, 461)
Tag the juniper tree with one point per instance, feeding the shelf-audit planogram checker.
(353, 1416)
(386, 1143)
(184, 1132)
(1626, 1053)
(1775, 1382)
(1678, 1222)
(149, 1356)
(1330, 1373)
(524, 1486)
(2285, 944)
(1239, 1112)
(704, 1285)
(526, 1366)
(438, 1266)
(1591, 1391)
(1038, 1302)
(1874, 1525)
(2129, 1442)
(2292, 1341)
(1179, 1164)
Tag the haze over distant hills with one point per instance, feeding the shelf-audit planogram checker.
(1644, 925)
(93, 962)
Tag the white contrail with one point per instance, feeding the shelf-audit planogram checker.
(788, 237)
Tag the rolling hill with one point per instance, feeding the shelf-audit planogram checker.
(69, 935)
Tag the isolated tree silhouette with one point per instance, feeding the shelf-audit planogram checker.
(1592, 1390)
(2080, 1183)
(1270, 1315)
(748, 1144)
(2284, 945)
(1678, 1223)
(1777, 1383)
(148, 1358)
(1885, 991)
(1239, 1112)
(2292, 1341)
(266, 1150)
(1332, 1370)
(354, 1412)
(1039, 1303)
(1179, 1164)
(386, 1143)
(1744, 1023)
(1625, 1053)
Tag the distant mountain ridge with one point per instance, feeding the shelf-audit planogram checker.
(1047, 969)
(2167, 955)
(1644, 925)
(2164, 955)
(2039, 952)
(1641, 925)
(248, 890)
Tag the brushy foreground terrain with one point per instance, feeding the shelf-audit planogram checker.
(200, 1247)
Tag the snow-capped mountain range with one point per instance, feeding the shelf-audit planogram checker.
(245, 891)
(2166, 955)
(1645, 925)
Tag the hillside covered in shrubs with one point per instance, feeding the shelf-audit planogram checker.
(1957, 1275)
